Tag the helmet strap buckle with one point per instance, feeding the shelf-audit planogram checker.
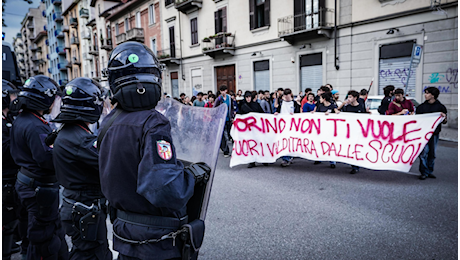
(140, 88)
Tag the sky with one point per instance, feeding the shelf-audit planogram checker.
(15, 11)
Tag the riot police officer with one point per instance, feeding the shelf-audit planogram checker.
(83, 212)
(146, 186)
(36, 183)
(10, 205)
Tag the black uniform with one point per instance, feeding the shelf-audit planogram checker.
(36, 186)
(77, 170)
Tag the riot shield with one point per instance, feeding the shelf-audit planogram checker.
(196, 134)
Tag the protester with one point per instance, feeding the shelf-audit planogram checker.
(239, 96)
(310, 104)
(329, 86)
(321, 90)
(235, 107)
(287, 107)
(269, 101)
(336, 97)
(400, 105)
(279, 98)
(205, 98)
(263, 102)
(272, 101)
(210, 102)
(187, 101)
(182, 97)
(353, 106)
(388, 92)
(199, 102)
(193, 99)
(305, 98)
(224, 98)
(326, 106)
(428, 154)
(363, 99)
(298, 100)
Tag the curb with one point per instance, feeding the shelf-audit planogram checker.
(448, 139)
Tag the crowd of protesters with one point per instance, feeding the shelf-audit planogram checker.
(327, 100)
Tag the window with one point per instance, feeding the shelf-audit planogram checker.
(151, 14)
(311, 71)
(109, 33)
(194, 29)
(99, 8)
(259, 13)
(262, 75)
(138, 20)
(153, 46)
(220, 23)
(175, 84)
(197, 85)
(172, 45)
(309, 14)
(117, 29)
(126, 24)
(168, 2)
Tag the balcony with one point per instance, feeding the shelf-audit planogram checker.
(47, 42)
(47, 56)
(135, 34)
(35, 69)
(34, 58)
(73, 22)
(56, 2)
(31, 37)
(59, 34)
(60, 50)
(219, 43)
(307, 26)
(18, 35)
(39, 49)
(74, 40)
(121, 38)
(21, 59)
(86, 35)
(87, 56)
(65, 28)
(50, 71)
(30, 26)
(187, 6)
(63, 82)
(94, 50)
(69, 64)
(84, 13)
(107, 44)
(43, 13)
(41, 61)
(57, 17)
(62, 66)
(165, 56)
(20, 44)
(75, 61)
(34, 48)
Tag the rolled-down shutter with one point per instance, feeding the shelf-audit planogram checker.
(311, 77)
(394, 72)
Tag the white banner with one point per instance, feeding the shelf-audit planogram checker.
(370, 141)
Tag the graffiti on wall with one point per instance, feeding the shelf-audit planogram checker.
(446, 82)
(399, 75)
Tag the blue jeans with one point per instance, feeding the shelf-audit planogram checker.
(286, 158)
(428, 155)
(225, 138)
(354, 167)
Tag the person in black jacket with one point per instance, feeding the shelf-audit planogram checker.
(388, 91)
(427, 156)
(247, 105)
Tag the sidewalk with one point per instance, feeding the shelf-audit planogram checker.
(449, 134)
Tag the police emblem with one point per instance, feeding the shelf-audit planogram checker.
(164, 150)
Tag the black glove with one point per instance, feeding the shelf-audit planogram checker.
(201, 171)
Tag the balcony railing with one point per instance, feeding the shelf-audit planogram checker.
(74, 40)
(84, 13)
(94, 50)
(135, 34)
(34, 58)
(59, 34)
(18, 35)
(60, 50)
(185, 6)
(30, 25)
(292, 24)
(87, 56)
(121, 38)
(86, 35)
(65, 28)
(56, 2)
(168, 56)
(57, 17)
(107, 44)
(21, 59)
(69, 64)
(39, 49)
(219, 43)
(31, 37)
(62, 66)
(34, 48)
(76, 61)
(73, 21)
(35, 68)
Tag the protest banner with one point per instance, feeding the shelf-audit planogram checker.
(370, 141)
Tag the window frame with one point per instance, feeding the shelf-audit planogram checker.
(194, 34)
(151, 14)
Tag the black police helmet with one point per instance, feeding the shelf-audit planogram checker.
(38, 93)
(7, 89)
(82, 101)
(134, 75)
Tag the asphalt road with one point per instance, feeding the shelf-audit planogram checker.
(308, 211)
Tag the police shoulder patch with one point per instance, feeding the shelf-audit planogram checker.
(164, 150)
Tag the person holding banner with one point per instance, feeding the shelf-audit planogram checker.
(400, 105)
(428, 154)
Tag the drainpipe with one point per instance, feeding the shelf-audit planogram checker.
(336, 58)
(180, 49)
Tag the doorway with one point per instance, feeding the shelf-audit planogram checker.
(225, 75)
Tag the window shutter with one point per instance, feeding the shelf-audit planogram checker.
(267, 12)
(224, 19)
(216, 21)
(252, 23)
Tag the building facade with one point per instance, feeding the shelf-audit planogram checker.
(265, 45)
(18, 46)
(41, 51)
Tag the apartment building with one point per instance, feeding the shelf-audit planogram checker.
(40, 50)
(56, 41)
(264, 45)
(18, 46)
(31, 25)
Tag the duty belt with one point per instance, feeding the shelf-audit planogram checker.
(32, 182)
(151, 221)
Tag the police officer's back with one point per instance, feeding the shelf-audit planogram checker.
(140, 174)
(83, 212)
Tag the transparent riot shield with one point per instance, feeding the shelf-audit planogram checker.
(196, 134)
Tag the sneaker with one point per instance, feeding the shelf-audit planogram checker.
(252, 165)
(317, 162)
(422, 177)
(431, 176)
(333, 166)
(285, 163)
(226, 155)
(265, 164)
(353, 171)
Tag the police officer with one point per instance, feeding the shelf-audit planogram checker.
(10, 202)
(83, 212)
(36, 183)
(146, 186)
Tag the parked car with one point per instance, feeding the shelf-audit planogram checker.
(375, 101)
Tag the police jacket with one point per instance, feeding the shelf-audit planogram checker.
(9, 168)
(138, 166)
(28, 146)
(76, 158)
